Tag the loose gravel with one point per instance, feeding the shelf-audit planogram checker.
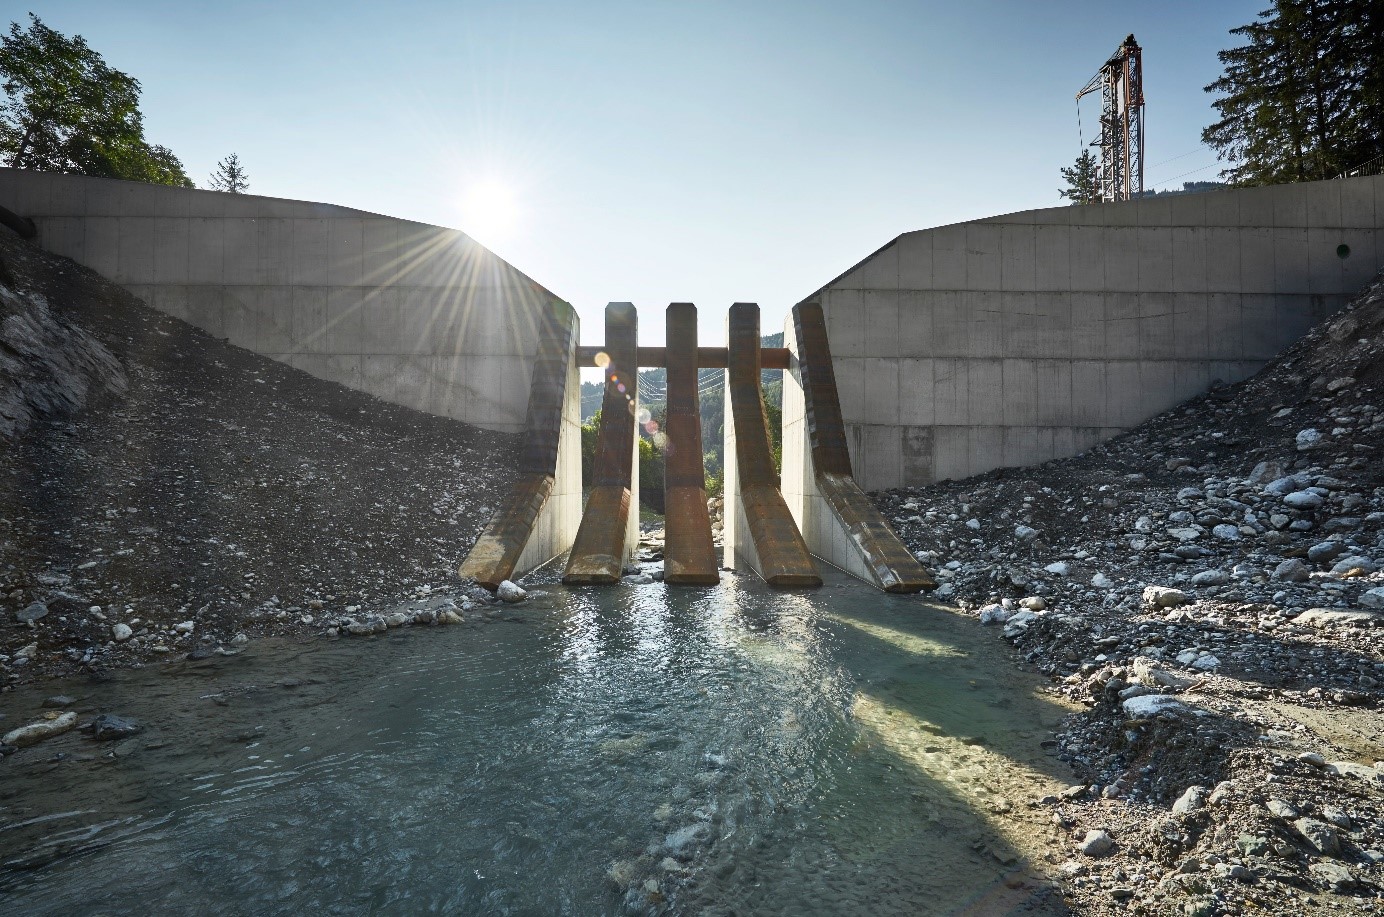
(1209, 586)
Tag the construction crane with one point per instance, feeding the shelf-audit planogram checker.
(1121, 141)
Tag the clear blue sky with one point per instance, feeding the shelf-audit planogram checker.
(650, 151)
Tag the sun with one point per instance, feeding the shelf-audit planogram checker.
(489, 210)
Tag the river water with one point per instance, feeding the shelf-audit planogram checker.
(641, 749)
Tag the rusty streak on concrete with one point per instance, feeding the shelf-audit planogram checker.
(689, 556)
(602, 544)
(783, 556)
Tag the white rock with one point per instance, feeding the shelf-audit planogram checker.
(1190, 801)
(37, 732)
(1359, 771)
(1154, 677)
(973, 524)
(1025, 533)
(1265, 472)
(1354, 562)
(1211, 578)
(1324, 617)
(994, 614)
(1018, 623)
(1304, 499)
(1185, 533)
(1292, 570)
(1306, 439)
(1205, 662)
(1163, 596)
(1141, 708)
(1034, 602)
(1058, 568)
(510, 592)
(1226, 532)
(185, 627)
(1372, 598)
(121, 632)
(1097, 844)
(1101, 581)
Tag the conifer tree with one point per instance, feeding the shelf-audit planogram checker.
(1303, 97)
(1083, 180)
(230, 176)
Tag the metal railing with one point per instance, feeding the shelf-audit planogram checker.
(1374, 166)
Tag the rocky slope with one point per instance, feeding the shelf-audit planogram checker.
(1210, 586)
(164, 493)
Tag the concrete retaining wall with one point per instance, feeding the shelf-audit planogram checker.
(1031, 336)
(415, 314)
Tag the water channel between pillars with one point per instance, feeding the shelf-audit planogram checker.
(637, 749)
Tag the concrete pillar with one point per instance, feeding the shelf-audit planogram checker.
(609, 532)
(689, 556)
(758, 529)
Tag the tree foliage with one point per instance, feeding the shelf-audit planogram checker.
(1083, 180)
(1303, 97)
(230, 176)
(66, 110)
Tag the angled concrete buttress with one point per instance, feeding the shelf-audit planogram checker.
(837, 519)
(689, 556)
(609, 530)
(537, 519)
(758, 526)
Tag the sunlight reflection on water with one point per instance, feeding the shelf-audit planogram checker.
(631, 750)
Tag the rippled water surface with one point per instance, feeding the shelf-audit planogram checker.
(597, 751)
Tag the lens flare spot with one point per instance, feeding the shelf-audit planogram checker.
(660, 438)
(621, 387)
(602, 359)
(643, 415)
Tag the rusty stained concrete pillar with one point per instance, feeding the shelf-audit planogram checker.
(759, 529)
(609, 530)
(689, 556)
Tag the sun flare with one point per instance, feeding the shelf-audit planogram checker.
(489, 210)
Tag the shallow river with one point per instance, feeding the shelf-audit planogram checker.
(641, 749)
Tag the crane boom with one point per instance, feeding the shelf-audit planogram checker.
(1121, 141)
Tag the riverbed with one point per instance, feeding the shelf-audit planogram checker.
(638, 749)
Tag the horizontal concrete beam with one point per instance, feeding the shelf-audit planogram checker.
(707, 357)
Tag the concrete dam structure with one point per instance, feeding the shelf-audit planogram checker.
(414, 314)
(1021, 338)
(950, 351)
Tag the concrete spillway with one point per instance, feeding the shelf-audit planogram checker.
(759, 527)
(609, 528)
(761, 531)
(953, 350)
(689, 553)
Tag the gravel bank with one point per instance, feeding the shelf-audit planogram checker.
(1209, 585)
(163, 492)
